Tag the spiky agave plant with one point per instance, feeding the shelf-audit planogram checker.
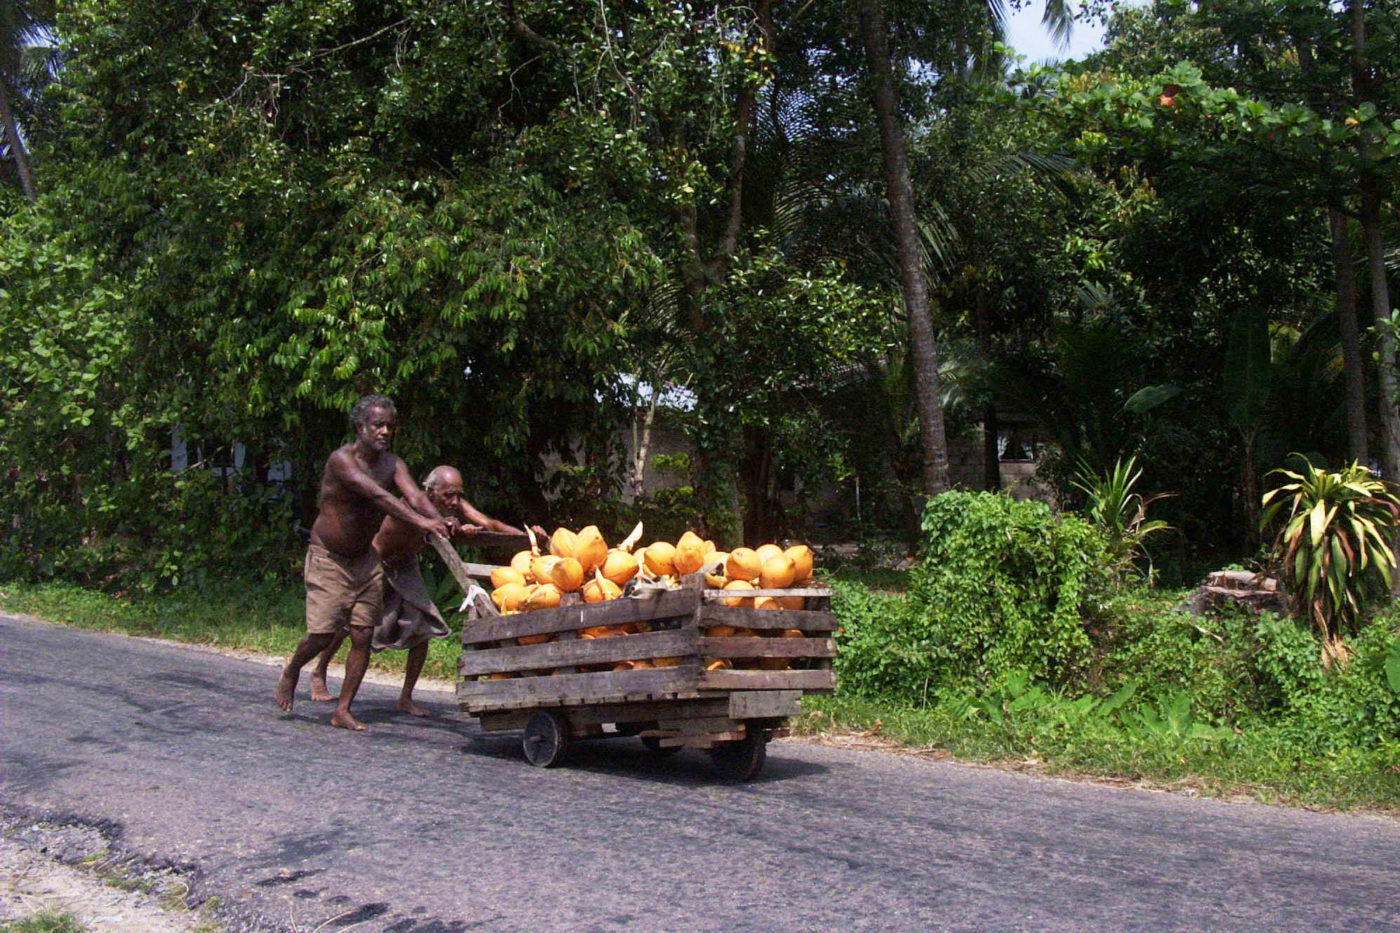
(1334, 540)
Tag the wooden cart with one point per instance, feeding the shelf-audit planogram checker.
(566, 688)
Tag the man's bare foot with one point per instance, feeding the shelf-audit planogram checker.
(319, 693)
(287, 688)
(346, 721)
(413, 709)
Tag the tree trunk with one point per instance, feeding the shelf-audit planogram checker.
(1353, 363)
(17, 150)
(1372, 197)
(1380, 310)
(900, 194)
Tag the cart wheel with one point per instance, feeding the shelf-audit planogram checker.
(654, 746)
(742, 759)
(546, 739)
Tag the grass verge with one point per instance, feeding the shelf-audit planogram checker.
(268, 618)
(1250, 764)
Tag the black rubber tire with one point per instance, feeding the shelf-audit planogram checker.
(742, 759)
(654, 746)
(546, 739)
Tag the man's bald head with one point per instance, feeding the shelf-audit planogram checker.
(441, 476)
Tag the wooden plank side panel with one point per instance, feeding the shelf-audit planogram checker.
(650, 711)
(764, 704)
(576, 689)
(576, 651)
(808, 620)
(740, 647)
(809, 592)
(812, 681)
(668, 605)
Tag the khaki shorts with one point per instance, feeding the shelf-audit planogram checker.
(342, 591)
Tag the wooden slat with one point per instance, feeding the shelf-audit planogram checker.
(749, 647)
(764, 704)
(578, 651)
(649, 712)
(495, 539)
(575, 689)
(508, 719)
(453, 560)
(768, 680)
(708, 740)
(696, 726)
(667, 605)
(809, 620)
(814, 592)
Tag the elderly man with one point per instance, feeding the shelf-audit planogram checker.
(344, 583)
(410, 620)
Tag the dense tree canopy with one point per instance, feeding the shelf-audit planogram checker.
(513, 217)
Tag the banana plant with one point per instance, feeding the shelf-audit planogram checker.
(1335, 538)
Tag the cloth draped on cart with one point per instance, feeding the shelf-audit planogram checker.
(409, 617)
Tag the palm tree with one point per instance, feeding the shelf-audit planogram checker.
(874, 36)
(24, 29)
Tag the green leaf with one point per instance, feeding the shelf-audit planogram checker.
(1149, 397)
(1392, 665)
(1248, 369)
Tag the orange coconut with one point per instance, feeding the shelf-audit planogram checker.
(545, 596)
(600, 588)
(766, 602)
(500, 576)
(716, 664)
(509, 596)
(567, 574)
(534, 639)
(521, 562)
(768, 551)
(659, 558)
(737, 601)
(562, 542)
(666, 662)
(619, 566)
(803, 559)
(688, 557)
(742, 564)
(590, 550)
(691, 537)
(541, 567)
(792, 602)
(778, 571)
(720, 631)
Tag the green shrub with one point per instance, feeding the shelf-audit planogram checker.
(1003, 585)
(1001, 588)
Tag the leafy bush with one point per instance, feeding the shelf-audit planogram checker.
(1004, 584)
(1001, 587)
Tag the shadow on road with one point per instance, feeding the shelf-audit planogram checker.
(627, 758)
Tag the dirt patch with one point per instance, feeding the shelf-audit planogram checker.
(71, 869)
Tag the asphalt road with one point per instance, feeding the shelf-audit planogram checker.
(431, 826)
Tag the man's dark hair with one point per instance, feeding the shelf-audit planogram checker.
(359, 415)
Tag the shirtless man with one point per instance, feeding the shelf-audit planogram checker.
(344, 582)
(410, 620)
